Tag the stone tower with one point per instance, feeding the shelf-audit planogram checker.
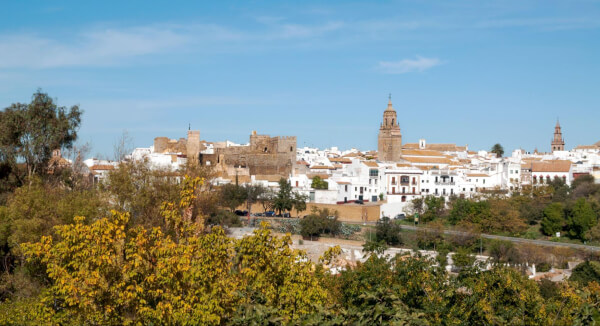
(558, 143)
(389, 145)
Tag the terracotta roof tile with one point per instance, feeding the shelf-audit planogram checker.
(551, 166)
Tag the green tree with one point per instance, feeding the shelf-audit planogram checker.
(498, 150)
(311, 226)
(253, 193)
(284, 200)
(388, 231)
(554, 218)
(586, 272)
(299, 202)
(318, 183)
(30, 132)
(232, 196)
(434, 208)
(580, 219)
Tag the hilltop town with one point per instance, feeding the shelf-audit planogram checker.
(371, 184)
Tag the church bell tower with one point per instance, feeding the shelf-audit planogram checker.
(558, 143)
(389, 145)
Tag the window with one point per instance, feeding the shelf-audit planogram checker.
(393, 190)
(403, 198)
(375, 181)
(393, 180)
(346, 186)
(291, 148)
(483, 181)
(414, 190)
(296, 183)
(414, 180)
(404, 179)
(373, 172)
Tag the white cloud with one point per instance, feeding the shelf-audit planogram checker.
(95, 47)
(112, 46)
(408, 65)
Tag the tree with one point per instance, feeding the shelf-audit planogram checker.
(232, 196)
(554, 219)
(123, 146)
(111, 273)
(299, 202)
(318, 183)
(30, 132)
(498, 150)
(320, 221)
(580, 219)
(503, 251)
(586, 272)
(434, 208)
(266, 199)
(388, 231)
(500, 296)
(311, 226)
(284, 200)
(253, 193)
(140, 189)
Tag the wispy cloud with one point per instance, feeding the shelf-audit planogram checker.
(94, 47)
(548, 24)
(403, 66)
(113, 46)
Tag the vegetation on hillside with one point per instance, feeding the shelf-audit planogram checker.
(149, 247)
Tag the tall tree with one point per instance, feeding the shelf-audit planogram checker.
(30, 132)
(554, 219)
(284, 200)
(581, 218)
(498, 150)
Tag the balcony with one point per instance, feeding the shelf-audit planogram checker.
(403, 193)
(445, 183)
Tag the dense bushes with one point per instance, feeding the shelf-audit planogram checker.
(556, 207)
(388, 231)
(320, 221)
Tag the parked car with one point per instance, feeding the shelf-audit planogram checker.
(270, 214)
(400, 216)
(240, 213)
(359, 201)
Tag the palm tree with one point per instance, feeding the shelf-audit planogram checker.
(498, 149)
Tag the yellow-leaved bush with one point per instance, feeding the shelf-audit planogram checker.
(106, 273)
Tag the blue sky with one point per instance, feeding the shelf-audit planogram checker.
(465, 72)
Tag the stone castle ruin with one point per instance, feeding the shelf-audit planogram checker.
(263, 156)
